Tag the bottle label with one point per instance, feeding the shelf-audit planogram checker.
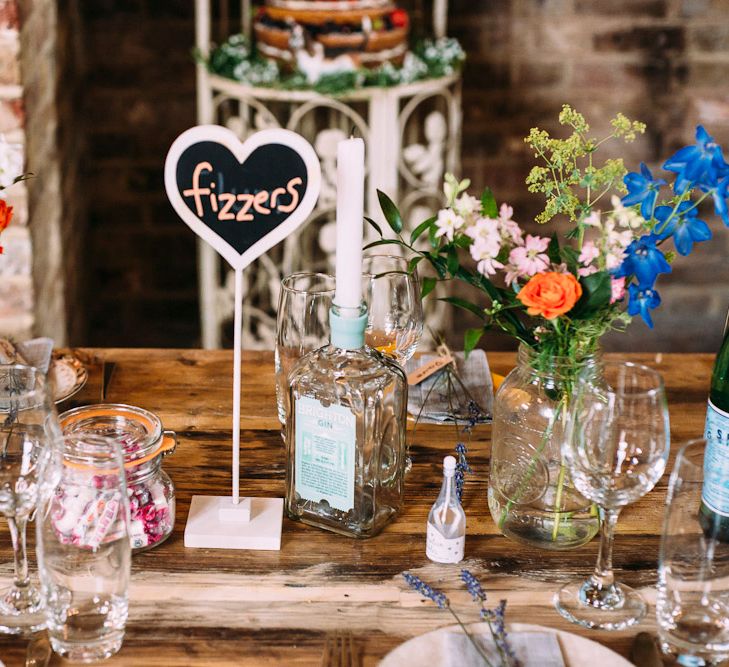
(715, 492)
(326, 440)
(441, 549)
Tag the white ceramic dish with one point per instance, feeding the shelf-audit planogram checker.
(428, 649)
(68, 376)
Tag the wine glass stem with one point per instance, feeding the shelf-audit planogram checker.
(17, 535)
(603, 576)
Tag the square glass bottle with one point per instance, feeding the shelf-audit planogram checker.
(346, 433)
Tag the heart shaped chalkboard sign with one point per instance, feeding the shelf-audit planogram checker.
(242, 198)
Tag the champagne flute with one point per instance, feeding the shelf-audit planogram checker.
(28, 428)
(616, 447)
(692, 608)
(394, 306)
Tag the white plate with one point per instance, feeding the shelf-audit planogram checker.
(427, 649)
(68, 375)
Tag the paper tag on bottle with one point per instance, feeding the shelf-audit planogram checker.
(433, 366)
(715, 492)
(326, 439)
(441, 549)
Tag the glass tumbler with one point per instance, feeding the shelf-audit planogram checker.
(302, 325)
(28, 426)
(84, 552)
(394, 306)
(692, 608)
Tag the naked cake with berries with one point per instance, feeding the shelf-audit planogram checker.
(350, 33)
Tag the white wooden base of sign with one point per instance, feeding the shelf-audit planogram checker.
(210, 528)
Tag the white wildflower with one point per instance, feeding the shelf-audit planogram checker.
(448, 223)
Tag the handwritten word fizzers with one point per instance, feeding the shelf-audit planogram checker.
(284, 199)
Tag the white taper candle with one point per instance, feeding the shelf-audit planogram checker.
(350, 219)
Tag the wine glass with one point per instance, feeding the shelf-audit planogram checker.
(692, 608)
(394, 306)
(616, 447)
(302, 325)
(28, 427)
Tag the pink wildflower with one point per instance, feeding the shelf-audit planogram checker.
(530, 259)
(510, 230)
(617, 285)
(589, 253)
(486, 245)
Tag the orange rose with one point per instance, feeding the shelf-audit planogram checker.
(6, 214)
(550, 294)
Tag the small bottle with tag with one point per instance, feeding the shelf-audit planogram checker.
(446, 532)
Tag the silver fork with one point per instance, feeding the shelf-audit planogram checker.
(339, 651)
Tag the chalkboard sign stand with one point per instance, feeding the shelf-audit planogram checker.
(273, 180)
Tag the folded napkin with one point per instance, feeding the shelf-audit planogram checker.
(36, 352)
(532, 649)
(431, 395)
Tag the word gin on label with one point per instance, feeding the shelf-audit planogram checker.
(345, 433)
(714, 512)
(446, 533)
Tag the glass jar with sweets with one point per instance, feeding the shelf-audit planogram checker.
(144, 445)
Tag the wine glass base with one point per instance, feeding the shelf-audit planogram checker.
(89, 651)
(621, 609)
(21, 611)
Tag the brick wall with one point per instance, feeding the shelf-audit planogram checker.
(663, 61)
(16, 282)
(139, 95)
(39, 270)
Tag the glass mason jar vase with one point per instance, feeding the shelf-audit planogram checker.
(531, 495)
(144, 445)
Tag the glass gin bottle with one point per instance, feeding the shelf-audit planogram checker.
(446, 532)
(345, 431)
(714, 510)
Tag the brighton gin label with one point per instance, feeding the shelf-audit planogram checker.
(325, 451)
(715, 493)
(441, 549)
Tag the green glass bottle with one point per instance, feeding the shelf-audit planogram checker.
(714, 512)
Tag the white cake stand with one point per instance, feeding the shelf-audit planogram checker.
(412, 133)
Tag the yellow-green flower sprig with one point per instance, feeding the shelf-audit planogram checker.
(570, 181)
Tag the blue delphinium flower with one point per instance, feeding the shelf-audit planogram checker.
(644, 261)
(684, 226)
(701, 164)
(719, 194)
(642, 301)
(642, 189)
(417, 584)
(474, 586)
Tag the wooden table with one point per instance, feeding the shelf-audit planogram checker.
(207, 607)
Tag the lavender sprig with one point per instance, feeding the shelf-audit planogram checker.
(417, 584)
(462, 467)
(496, 619)
(475, 414)
(473, 586)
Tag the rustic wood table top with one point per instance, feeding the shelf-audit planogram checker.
(224, 607)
